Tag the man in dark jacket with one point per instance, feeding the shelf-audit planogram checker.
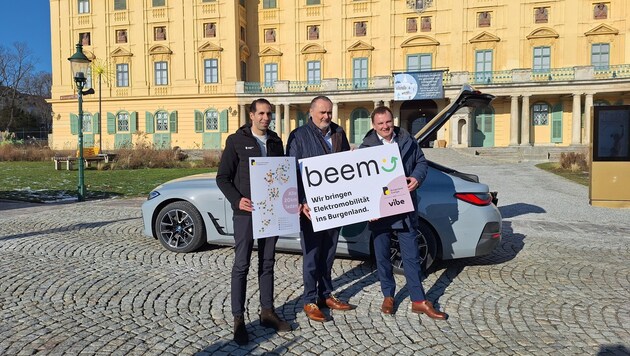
(405, 225)
(319, 136)
(251, 140)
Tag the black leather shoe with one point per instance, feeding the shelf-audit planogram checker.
(269, 319)
(240, 332)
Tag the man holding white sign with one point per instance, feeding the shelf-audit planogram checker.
(405, 224)
(233, 178)
(319, 136)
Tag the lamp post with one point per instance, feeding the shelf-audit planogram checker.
(80, 64)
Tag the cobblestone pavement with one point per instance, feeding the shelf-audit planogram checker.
(82, 279)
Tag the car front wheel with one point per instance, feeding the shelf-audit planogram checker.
(426, 245)
(179, 227)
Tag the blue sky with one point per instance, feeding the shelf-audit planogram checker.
(29, 22)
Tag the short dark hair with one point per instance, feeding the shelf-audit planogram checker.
(381, 110)
(320, 97)
(252, 106)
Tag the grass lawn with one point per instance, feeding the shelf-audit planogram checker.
(554, 167)
(40, 182)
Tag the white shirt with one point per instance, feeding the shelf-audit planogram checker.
(262, 142)
(384, 140)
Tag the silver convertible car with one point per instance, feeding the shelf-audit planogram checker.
(458, 215)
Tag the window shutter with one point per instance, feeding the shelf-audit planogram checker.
(149, 122)
(96, 123)
(133, 125)
(74, 124)
(173, 122)
(223, 121)
(111, 123)
(556, 123)
(198, 121)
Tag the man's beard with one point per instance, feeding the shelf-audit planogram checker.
(323, 125)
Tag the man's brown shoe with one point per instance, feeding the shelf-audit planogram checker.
(425, 307)
(334, 303)
(388, 305)
(312, 312)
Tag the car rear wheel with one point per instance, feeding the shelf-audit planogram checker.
(179, 227)
(426, 246)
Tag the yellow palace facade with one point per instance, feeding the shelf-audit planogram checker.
(182, 72)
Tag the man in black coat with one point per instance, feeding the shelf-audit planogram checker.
(317, 137)
(251, 140)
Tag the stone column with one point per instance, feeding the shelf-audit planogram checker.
(525, 122)
(588, 106)
(243, 115)
(287, 119)
(279, 120)
(514, 121)
(576, 128)
(454, 127)
(335, 114)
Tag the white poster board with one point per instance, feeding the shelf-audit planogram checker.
(354, 186)
(274, 196)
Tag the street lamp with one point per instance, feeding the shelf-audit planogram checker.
(80, 65)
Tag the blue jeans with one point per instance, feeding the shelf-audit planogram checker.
(243, 246)
(411, 263)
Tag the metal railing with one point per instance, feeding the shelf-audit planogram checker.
(514, 76)
(303, 87)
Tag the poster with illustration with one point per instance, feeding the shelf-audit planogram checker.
(274, 196)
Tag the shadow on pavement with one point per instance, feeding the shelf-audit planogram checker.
(74, 227)
(615, 349)
(363, 275)
(357, 277)
(512, 210)
(510, 246)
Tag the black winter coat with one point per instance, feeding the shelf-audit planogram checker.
(233, 174)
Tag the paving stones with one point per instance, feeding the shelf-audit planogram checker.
(81, 278)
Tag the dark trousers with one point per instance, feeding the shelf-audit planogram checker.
(319, 250)
(243, 245)
(411, 263)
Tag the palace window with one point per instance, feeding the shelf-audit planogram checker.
(313, 72)
(161, 73)
(122, 75)
(542, 59)
(211, 71)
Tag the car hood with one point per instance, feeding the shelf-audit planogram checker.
(467, 97)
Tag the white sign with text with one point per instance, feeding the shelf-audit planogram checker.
(354, 186)
(274, 196)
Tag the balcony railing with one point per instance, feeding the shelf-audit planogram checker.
(616, 71)
(300, 87)
(505, 77)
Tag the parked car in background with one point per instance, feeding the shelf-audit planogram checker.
(458, 214)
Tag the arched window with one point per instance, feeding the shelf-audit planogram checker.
(211, 120)
(87, 122)
(122, 122)
(161, 121)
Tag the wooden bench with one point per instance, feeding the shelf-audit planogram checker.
(90, 154)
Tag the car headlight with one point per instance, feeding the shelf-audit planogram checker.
(153, 194)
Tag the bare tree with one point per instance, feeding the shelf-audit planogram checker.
(16, 65)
